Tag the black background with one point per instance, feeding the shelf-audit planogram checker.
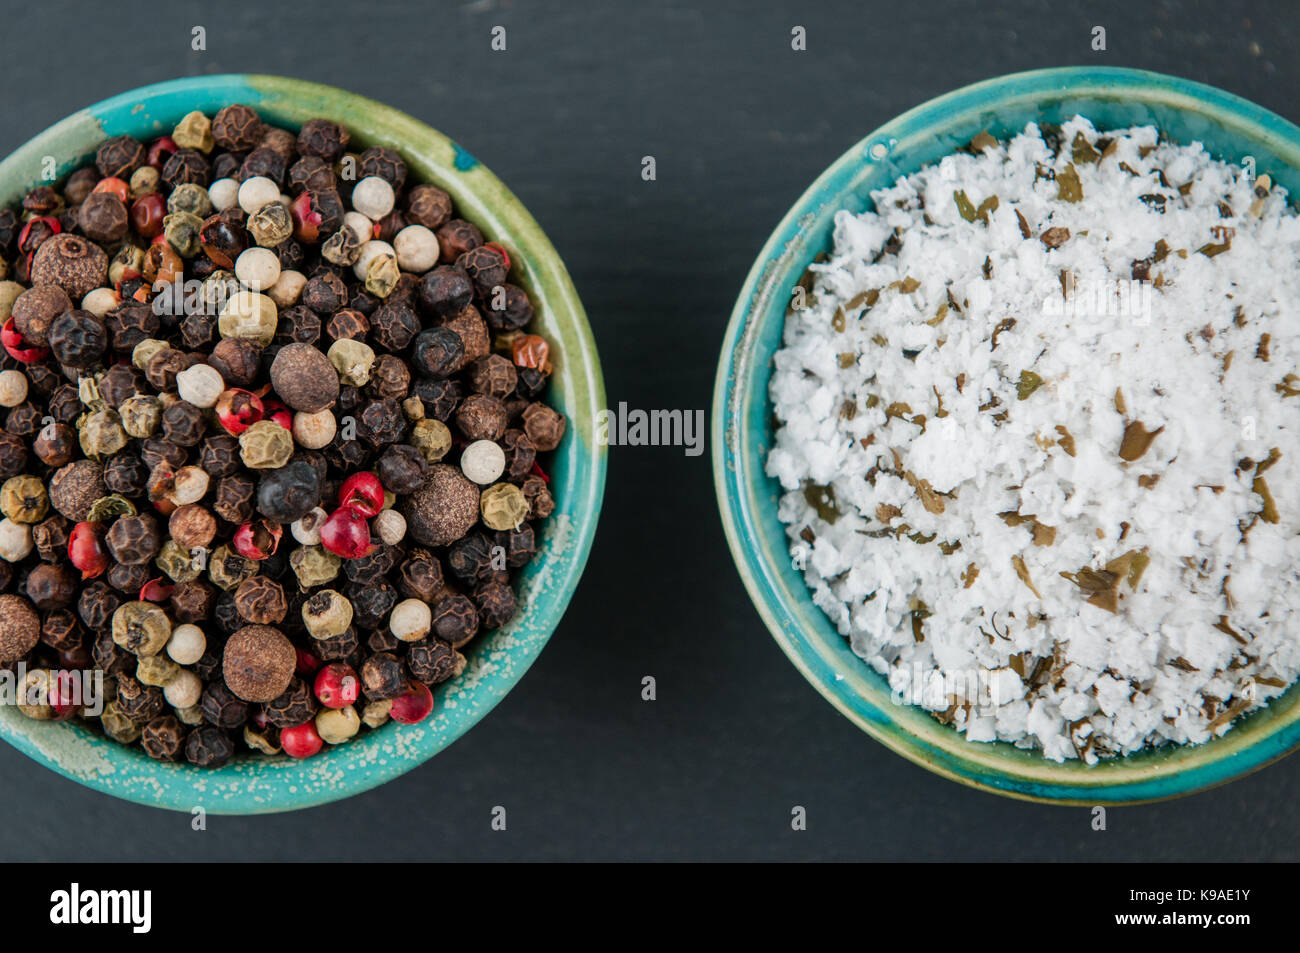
(739, 124)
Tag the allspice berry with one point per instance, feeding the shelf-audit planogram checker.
(258, 663)
(35, 310)
(443, 509)
(20, 628)
(76, 487)
(304, 378)
(72, 263)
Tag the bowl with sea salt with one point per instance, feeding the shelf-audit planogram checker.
(1004, 430)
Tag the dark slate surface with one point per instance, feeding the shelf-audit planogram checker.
(739, 125)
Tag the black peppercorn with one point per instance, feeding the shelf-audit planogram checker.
(226, 165)
(183, 424)
(337, 646)
(323, 138)
(13, 455)
(44, 381)
(325, 293)
(428, 205)
(192, 601)
(311, 173)
(439, 396)
(496, 604)
(516, 312)
(128, 579)
(348, 323)
(24, 420)
(51, 586)
(223, 238)
(544, 426)
(222, 707)
(371, 602)
(120, 382)
(473, 331)
(480, 417)
(445, 290)
(10, 225)
(234, 497)
(381, 422)
(119, 156)
(96, 606)
(163, 367)
(134, 540)
(266, 162)
(208, 747)
(493, 375)
(199, 329)
(470, 558)
(291, 708)
(298, 324)
(385, 163)
(433, 661)
(289, 493)
(455, 619)
(520, 455)
(393, 326)
(261, 600)
(156, 452)
(50, 536)
(420, 576)
(363, 301)
(457, 237)
(126, 474)
(538, 496)
(237, 128)
(389, 378)
(103, 218)
(486, 267)
(62, 630)
(439, 352)
(388, 226)
(219, 456)
(382, 677)
(141, 703)
(402, 468)
(163, 738)
(186, 167)
(129, 323)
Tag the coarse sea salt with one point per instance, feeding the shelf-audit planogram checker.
(1038, 437)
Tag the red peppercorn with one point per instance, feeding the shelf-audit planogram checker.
(64, 694)
(160, 150)
(306, 219)
(413, 705)
(363, 493)
(86, 549)
(301, 742)
(346, 534)
(156, 590)
(530, 350)
(238, 410)
(274, 410)
(307, 663)
(257, 539)
(17, 348)
(147, 213)
(337, 685)
(113, 186)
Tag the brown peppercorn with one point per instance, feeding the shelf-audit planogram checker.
(52, 586)
(455, 619)
(258, 662)
(208, 747)
(311, 173)
(163, 367)
(192, 526)
(186, 167)
(304, 378)
(75, 487)
(325, 293)
(261, 600)
(35, 310)
(237, 128)
(292, 707)
(236, 359)
(192, 601)
(496, 604)
(130, 323)
(128, 579)
(432, 661)
(20, 628)
(540, 502)
(96, 606)
(322, 138)
(428, 205)
(55, 445)
(141, 703)
(104, 219)
(134, 540)
(494, 376)
(348, 323)
(443, 509)
(480, 417)
(383, 677)
(163, 738)
(183, 424)
(544, 426)
(227, 569)
(72, 263)
(420, 576)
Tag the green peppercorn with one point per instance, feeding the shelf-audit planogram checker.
(503, 506)
(353, 360)
(194, 131)
(382, 275)
(431, 437)
(227, 569)
(265, 446)
(177, 562)
(141, 628)
(181, 229)
(101, 434)
(23, 499)
(189, 198)
(140, 415)
(156, 670)
(314, 565)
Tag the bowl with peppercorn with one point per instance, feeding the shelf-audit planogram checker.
(295, 468)
(932, 234)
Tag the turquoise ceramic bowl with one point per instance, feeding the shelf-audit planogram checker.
(496, 661)
(1231, 128)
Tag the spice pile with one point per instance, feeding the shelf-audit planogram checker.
(1039, 425)
(269, 460)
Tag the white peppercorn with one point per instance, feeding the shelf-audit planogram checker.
(410, 620)
(187, 644)
(15, 540)
(256, 192)
(417, 249)
(250, 315)
(314, 431)
(223, 194)
(483, 462)
(200, 385)
(373, 197)
(369, 252)
(100, 301)
(287, 288)
(258, 268)
(307, 529)
(390, 526)
(183, 691)
(13, 388)
(361, 226)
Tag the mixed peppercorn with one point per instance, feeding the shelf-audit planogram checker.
(271, 437)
